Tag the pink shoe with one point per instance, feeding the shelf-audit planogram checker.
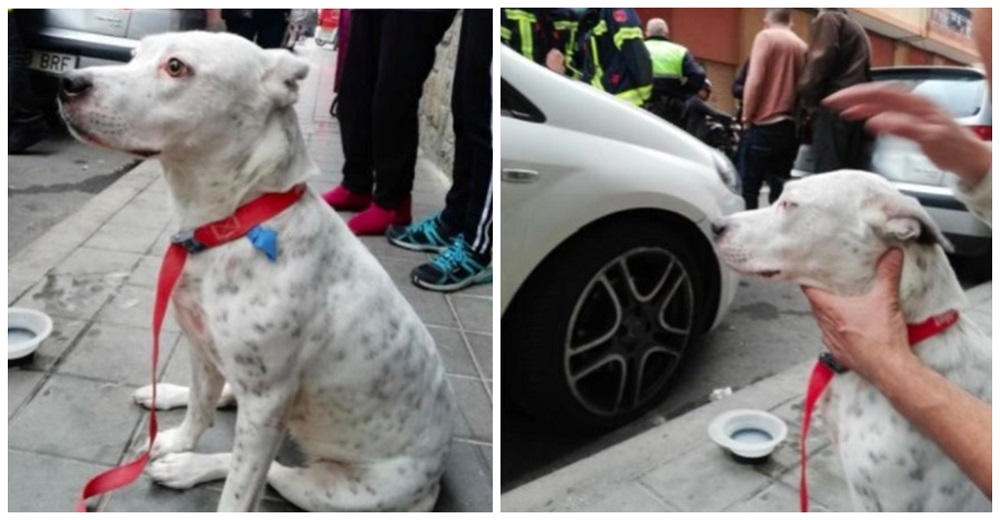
(376, 219)
(343, 199)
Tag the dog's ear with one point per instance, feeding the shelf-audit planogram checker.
(906, 220)
(282, 76)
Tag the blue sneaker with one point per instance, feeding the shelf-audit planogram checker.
(457, 267)
(430, 234)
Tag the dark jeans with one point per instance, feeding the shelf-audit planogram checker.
(469, 203)
(265, 26)
(838, 144)
(770, 154)
(20, 100)
(389, 55)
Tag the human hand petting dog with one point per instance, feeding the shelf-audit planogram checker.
(890, 110)
(867, 333)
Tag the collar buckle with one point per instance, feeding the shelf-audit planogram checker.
(829, 360)
(187, 240)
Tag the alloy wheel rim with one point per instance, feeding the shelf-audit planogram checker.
(628, 331)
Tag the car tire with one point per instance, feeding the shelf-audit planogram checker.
(582, 351)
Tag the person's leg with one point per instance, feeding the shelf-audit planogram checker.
(831, 141)
(25, 123)
(857, 146)
(406, 55)
(240, 21)
(472, 107)
(271, 25)
(757, 155)
(355, 110)
(780, 170)
(469, 203)
(408, 42)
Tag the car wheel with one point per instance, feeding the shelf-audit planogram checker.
(603, 325)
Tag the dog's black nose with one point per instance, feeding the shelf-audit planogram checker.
(74, 84)
(718, 227)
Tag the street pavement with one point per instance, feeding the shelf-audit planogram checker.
(69, 411)
(675, 467)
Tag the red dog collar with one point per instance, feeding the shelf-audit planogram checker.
(827, 367)
(216, 233)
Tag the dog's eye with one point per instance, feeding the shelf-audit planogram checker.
(177, 68)
(786, 205)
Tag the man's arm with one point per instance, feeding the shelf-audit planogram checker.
(694, 73)
(820, 58)
(867, 334)
(977, 197)
(628, 38)
(753, 90)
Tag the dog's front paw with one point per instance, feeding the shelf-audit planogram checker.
(175, 440)
(167, 396)
(176, 470)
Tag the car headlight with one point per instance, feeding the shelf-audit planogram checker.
(727, 172)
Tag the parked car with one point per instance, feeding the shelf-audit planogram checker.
(964, 93)
(609, 274)
(65, 39)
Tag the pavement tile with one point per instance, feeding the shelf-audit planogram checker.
(144, 495)
(95, 420)
(475, 405)
(487, 452)
(138, 216)
(71, 296)
(453, 352)
(475, 314)
(629, 498)
(146, 272)
(432, 308)
(484, 290)
(117, 237)
(827, 486)
(776, 498)
(116, 354)
(132, 305)
(64, 333)
(466, 482)
(482, 349)
(383, 250)
(88, 261)
(705, 479)
(37, 482)
(20, 385)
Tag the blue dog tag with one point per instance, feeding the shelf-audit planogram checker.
(266, 240)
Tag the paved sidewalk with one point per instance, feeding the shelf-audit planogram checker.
(69, 412)
(674, 467)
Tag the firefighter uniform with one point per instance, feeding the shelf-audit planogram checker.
(526, 31)
(565, 36)
(616, 60)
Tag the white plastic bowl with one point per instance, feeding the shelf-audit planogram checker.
(750, 434)
(26, 329)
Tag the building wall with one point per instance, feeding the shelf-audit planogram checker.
(437, 138)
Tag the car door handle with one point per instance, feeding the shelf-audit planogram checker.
(519, 176)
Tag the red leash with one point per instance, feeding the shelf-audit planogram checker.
(827, 367)
(216, 233)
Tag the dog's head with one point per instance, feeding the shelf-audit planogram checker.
(826, 231)
(181, 93)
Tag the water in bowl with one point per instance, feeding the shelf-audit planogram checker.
(17, 335)
(751, 436)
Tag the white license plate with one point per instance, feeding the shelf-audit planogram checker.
(52, 62)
